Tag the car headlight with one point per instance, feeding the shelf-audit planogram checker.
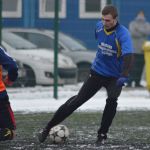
(66, 62)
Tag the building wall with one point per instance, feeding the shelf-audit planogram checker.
(129, 8)
(82, 29)
(79, 28)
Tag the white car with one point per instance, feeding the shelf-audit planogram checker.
(67, 45)
(39, 63)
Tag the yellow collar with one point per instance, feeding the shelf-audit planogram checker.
(108, 32)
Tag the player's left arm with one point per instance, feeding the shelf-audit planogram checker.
(127, 64)
(127, 52)
(10, 65)
(127, 56)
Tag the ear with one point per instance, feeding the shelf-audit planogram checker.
(115, 21)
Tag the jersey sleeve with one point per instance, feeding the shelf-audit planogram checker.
(9, 64)
(97, 28)
(125, 42)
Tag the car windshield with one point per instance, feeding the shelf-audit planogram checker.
(16, 41)
(71, 43)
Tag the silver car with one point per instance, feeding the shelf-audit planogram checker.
(39, 63)
(67, 46)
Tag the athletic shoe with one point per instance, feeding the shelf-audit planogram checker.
(101, 139)
(43, 135)
(6, 134)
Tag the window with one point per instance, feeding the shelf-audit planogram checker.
(90, 8)
(12, 8)
(47, 8)
(17, 42)
(38, 39)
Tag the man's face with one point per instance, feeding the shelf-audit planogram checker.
(108, 21)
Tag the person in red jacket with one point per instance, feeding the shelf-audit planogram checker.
(7, 120)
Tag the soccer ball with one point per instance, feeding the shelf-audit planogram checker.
(59, 134)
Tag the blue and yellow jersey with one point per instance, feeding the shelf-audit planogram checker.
(111, 48)
(10, 65)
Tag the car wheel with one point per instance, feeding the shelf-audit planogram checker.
(30, 77)
(83, 72)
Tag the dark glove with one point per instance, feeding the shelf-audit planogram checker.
(121, 81)
(7, 81)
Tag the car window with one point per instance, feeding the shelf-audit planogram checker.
(44, 41)
(40, 40)
(16, 41)
(71, 43)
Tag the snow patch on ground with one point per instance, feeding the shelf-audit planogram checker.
(40, 99)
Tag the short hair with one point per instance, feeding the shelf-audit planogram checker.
(110, 9)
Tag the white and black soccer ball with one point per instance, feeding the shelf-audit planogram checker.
(59, 134)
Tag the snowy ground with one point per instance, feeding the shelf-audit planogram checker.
(40, 99)
(130, 129)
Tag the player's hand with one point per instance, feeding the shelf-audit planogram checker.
(7, 81)
(121, 81)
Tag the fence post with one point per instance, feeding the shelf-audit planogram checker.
(56, 49)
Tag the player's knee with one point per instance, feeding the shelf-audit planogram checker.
(111, 101)
(71, 101)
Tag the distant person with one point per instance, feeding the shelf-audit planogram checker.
(110, 69)
(140, 30)
(7, 120)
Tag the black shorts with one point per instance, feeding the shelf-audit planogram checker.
(7, 119)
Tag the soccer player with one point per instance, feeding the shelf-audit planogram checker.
(7, 121)
(110, 69)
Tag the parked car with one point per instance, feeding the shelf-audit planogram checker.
(39, 63)
(68, 46)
